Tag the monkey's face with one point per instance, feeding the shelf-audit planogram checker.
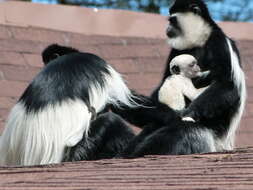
(189, 24)
(191, 70)
(185, 65)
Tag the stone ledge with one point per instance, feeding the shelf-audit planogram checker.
(102, 22)
(224, 171)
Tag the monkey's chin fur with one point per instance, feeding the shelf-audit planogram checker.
(194, 32)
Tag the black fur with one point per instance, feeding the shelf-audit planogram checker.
(150, 111)
(54, 51)
(175, 138)
(67, 77)
(108, 137)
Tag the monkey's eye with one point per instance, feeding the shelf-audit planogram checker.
(192, 65)
(195, 9)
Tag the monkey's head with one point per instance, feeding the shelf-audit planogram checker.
(190, 24)
(54, 51)
(185, 65)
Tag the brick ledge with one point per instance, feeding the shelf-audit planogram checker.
(102, 22)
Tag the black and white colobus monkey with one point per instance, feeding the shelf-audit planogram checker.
(218, 110)
(55, 111)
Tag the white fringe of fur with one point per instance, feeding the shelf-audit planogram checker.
(42, 137)
(239, 79)
(195, 31)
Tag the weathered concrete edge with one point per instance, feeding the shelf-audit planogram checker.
(89, 21)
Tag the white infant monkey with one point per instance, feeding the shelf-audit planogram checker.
(183, 68)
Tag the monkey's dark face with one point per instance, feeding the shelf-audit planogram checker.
(189, 24)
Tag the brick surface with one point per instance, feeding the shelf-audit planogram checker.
(88, 49)
(248, 112)
(147, 81)
(249, 79)
(136, 41)
(248, 67)
(38, 35)
(12, 88)
(125, 65)
(129, 51)
(21, 46)
(33, 60)
(151, 65)
(11, 58)
(244, 139)
(1, 126)
(109, 40)
(13, 73)
(139, 65)
(162, 48)
(1, 75)
(3, 114)
(246, 125)
(93, 40)
(250, 93)
(7, 102)
(4, 32)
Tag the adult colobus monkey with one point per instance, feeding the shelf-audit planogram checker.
(218, 110)
(56, 109)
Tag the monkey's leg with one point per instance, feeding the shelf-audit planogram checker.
(108, 136)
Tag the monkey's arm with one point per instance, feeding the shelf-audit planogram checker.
(215, 102)
(149, 111)
(191, 92)
(205, 79)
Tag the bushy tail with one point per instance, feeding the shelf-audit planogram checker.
(41, 137)
(53, 51)
(239, 80)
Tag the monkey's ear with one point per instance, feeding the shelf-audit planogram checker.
(175, 70)
(195, 9)
(55, 55)
(52, 57)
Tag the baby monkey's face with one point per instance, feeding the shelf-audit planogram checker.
(185, 65)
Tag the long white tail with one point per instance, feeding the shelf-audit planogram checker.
(239, 80)
(41, 138)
